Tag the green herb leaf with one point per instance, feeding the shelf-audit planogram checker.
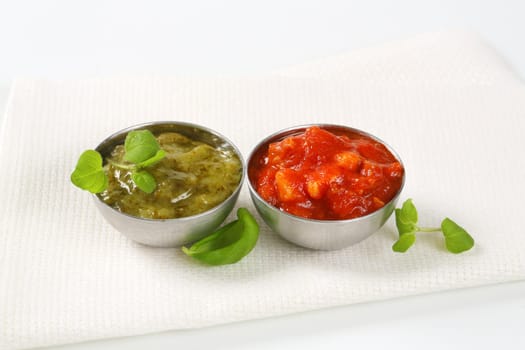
(89, 174)
(406, 223)
(229, 244)
(144, 181)
(153, 160)
(230, 232)
(457, 240)
(406, 217)
(140, 145)
(404, 242)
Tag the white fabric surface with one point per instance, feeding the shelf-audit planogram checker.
(446, 102)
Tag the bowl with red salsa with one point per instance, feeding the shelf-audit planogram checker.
(324, 186)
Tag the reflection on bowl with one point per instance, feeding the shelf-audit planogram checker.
(309, 230)
(171, 232)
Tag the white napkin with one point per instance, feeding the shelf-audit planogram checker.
(447, 103)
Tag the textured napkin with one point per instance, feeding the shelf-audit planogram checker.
(446, 102)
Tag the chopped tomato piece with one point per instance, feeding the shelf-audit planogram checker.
(316, 189)
(318, 181)
(289, 184)
(288, 152)
(348, 160)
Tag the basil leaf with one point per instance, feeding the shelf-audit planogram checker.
(229, 244)
(457, 240)
(408, 213)
(89, 174)
(404, 242)
(153, 160)
(144, 181)
(403, 224)
(230, 232)
(140, 145)
(406, 223)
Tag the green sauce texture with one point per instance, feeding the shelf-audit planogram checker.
(193, 177)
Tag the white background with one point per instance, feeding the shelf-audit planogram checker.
(75, 39)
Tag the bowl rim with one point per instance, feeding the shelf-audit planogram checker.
(223, 138)
(283, 133)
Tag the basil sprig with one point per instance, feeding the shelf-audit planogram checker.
(457, 239)
(141, 151)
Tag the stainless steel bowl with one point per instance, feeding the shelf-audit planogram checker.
(170, 232)
(317, 234)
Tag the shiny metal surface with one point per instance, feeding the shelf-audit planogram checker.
(170, 232)
(318, 234)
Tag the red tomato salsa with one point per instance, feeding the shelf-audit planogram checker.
(324, 176)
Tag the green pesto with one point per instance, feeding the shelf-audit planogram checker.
(192, 177)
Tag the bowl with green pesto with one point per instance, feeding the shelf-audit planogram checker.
(179, 192)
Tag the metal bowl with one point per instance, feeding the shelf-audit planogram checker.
(178, 231)
(310, 233)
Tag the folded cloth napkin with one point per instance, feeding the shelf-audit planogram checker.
(446, 102)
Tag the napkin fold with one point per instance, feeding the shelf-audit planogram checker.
(448, 104)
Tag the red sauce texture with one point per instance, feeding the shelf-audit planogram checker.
(324, 176)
